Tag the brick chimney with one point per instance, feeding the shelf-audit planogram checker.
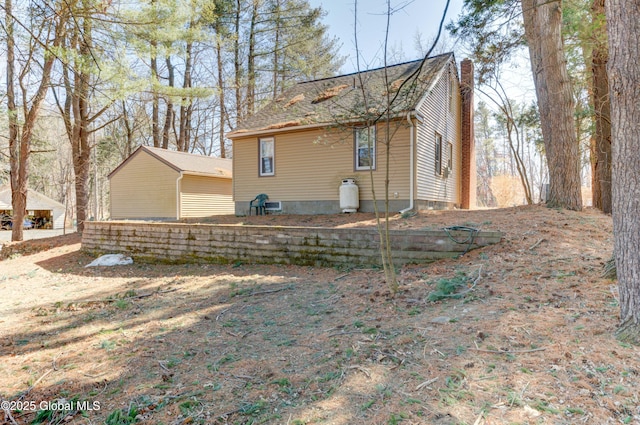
(469, 176)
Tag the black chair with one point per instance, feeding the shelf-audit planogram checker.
(258, 203)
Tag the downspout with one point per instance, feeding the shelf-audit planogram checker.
(411, 167)
(178, 203)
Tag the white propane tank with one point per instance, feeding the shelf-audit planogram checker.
(349, 196)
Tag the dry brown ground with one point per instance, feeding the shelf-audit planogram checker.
(530, 343)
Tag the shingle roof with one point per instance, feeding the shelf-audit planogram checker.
(340, 99)
(188, 163)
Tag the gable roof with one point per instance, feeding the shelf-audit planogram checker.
(186, 163)
(35, 200)
(340, 99)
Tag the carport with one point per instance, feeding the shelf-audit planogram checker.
(45, 212)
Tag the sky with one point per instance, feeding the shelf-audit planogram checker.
(413, 17)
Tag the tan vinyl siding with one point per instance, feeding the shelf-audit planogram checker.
(439, 118)
(144, 188)
(205, 196)
(310, 166)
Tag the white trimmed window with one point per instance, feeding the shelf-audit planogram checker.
(365, 148)
(438, 150)
(267, 157)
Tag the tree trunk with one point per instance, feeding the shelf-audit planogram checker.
(80, 134)
(623, 22)
(185, 107)
(251, 71)
(128, 147)
(221, 88)
(543, 31)
(276, 50)
(602, 115)
(20, 141)
(236, 64)
(168, 119)
(18, 188)
(155, 104)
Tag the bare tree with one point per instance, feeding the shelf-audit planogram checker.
(514, 135)
(43, 40)
(371, 115)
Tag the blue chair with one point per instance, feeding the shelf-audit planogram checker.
(258, 203)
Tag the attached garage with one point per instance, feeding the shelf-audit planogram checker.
(44, 211)
(159, 184)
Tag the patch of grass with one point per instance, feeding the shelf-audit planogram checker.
(129, 294)
(619, 389)
(62, 409)
(396, 418)
(227, 358)
(329, 376)
(108, 345)
(414, 311)
(187, 407)
(231, 323)
(122, 416)
(252, 409)
(282, 382)
(544, 406)
(286, 342)
(513, 399)
(447, 287)
(455, 390)
(367, 405)
(122, 304)
(172, 363)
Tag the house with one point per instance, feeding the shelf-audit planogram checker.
(44, 211)
(299, 148)
(160, 184)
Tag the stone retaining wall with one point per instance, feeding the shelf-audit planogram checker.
(179, 243)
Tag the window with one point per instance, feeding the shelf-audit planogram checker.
(365, 148)
(438, 154)
(267, 157)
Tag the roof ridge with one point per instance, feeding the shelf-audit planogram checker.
(181, 152)
(376, 69)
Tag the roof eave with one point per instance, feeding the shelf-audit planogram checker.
(268, 132)
(200, 174)
(259, 132)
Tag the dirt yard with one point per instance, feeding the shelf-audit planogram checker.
(527, 336)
